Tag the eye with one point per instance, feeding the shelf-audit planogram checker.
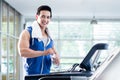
(43, 16)
(48, 17)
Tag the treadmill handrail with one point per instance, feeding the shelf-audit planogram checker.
(55, 78)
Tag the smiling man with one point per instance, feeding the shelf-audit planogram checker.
(36, 46)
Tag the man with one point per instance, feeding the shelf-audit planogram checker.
(36, 46)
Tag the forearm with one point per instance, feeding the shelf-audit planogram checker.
(29, 53)
(56, 58)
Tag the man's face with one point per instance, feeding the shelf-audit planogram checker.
(44, 18)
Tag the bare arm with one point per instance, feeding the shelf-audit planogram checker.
(25, 51)
(56, 58)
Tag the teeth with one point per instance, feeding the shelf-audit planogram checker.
(44, 23)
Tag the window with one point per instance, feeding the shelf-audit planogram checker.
(74, 39)
(8, 36)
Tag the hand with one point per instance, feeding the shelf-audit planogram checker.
(55, 59)
(49, 51)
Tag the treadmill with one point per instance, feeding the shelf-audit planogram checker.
(84, 73)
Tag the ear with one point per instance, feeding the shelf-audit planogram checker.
(36, 17)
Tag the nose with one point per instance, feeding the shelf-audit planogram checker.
(45, 19)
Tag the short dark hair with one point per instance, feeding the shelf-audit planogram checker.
(44, 7)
